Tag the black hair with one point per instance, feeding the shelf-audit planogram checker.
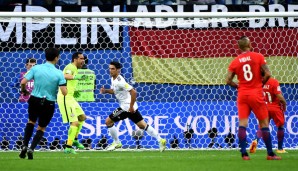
(116, 64)
(30, 60)
(262, 72)
(51, 53)
(244, 43)
(243, 37)
(75, 56)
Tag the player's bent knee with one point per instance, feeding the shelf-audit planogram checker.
(41, 128)
(76, 123)
(31, 122)
(264, 123)
(109, 122)
(82, 117)
(142, 127)
(142, 124)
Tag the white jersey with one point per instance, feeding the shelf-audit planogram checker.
(121, 90)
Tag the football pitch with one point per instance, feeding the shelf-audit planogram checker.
(171, 160)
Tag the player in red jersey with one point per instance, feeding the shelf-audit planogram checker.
(276, 105)
(247, 66)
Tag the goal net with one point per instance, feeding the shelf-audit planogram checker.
(177, 64)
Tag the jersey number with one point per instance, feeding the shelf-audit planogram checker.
(268, 96)
(247, 72)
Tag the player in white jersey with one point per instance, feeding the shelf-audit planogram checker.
(126, 95)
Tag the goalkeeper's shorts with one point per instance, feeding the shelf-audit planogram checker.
(69, 109)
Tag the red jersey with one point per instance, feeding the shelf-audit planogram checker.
(247, 67)
(271, 89)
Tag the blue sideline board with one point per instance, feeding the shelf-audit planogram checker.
(169, 118)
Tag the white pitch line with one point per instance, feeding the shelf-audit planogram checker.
(111, 157)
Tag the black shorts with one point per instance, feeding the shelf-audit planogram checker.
(120, 114)
(41, 109)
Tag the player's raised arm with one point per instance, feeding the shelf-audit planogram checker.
(104, 91)
(69, 76)
(69, 73)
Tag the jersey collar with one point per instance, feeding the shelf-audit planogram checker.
(50, 64)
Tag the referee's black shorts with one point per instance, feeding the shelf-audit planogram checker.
(41, 109)
(120, 114)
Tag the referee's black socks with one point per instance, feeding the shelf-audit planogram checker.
(28, 133)
(36, 139)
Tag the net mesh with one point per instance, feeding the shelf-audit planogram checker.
(177, 66)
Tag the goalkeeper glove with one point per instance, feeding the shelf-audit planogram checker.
(25, 92)
(76, 94)
(80, 77)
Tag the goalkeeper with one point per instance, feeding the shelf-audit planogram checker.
(69, 108)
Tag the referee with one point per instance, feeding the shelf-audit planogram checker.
(41, 104)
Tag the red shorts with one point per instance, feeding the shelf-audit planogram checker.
(277, 116)
(253, 102)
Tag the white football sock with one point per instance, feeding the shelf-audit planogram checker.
(114, 133)
(153, 133)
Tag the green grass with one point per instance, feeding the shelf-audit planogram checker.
(213, 160)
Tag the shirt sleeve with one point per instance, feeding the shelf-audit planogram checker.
(111, 85)
(62, 79)
(123, 84)
(68, 70)
(30, 74)
(262, 60)
(276, 87)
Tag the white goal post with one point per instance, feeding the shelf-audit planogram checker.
(176, 61)
(149, 14)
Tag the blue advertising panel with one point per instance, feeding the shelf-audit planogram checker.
(170, 119)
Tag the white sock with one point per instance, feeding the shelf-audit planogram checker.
(153, 133)
(114, 133)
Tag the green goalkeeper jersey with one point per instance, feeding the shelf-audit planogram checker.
(71, 84)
